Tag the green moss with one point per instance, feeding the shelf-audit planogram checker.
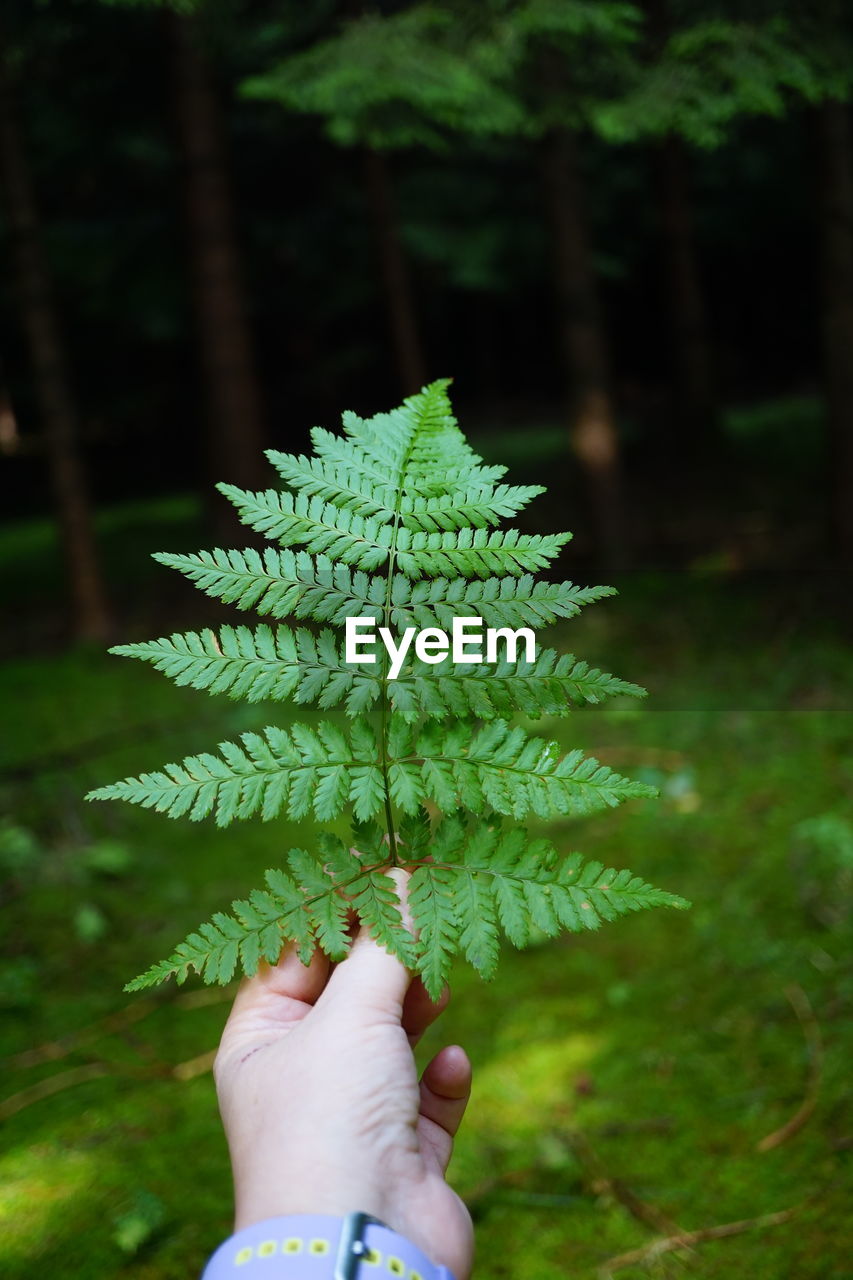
(667, 1040)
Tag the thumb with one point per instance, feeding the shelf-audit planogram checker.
(371, 975)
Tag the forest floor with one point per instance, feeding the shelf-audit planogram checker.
(673, 1072)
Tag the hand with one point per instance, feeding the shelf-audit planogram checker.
(321, 1104)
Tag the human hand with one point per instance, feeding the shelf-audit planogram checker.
(321, 1103)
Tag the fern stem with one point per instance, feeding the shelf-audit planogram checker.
(386, 621)
(386, 616)
(383, 736)
(383, 739)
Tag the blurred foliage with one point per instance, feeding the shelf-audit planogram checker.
(133, 1229)
(393, 81)
(415, 76)
(521, 66)
(711, 73)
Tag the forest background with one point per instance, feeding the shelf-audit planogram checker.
(626, 231)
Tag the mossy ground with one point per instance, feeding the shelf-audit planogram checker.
(652, 1056)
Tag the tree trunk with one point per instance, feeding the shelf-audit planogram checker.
(90, 613)
(691, 348)
(593, 428)
(394, 272)
(836, 161)
(10, 439)
(232, 393)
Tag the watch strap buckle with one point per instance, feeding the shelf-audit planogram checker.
(352, 1246)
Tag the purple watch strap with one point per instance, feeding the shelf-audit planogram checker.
(318, 1247)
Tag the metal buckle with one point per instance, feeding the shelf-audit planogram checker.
(352, 1247)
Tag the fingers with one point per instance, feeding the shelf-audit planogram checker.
(445, 1090)
(419, 1011)
(275, 985)
(369, 977)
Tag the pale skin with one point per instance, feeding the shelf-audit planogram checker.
(322, 1106)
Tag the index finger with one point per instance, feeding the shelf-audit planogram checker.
(275, 989)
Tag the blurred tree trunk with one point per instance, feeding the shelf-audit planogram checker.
(394, 272)
(90, 612)
(593, 428)
(835, 135)
(10, 439)
(235, 416)
(696, 400)
(691, 347)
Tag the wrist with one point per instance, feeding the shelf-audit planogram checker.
(321, 1247)
(297, 1199)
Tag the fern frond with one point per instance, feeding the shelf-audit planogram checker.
(325, 906)
(472, 884)
(475, 553)
(293, 771)
(282, 583)
(308, 906)
(418, 442)
(478, 880)
(501, 768)
(256, 931)
(345, 486)
(348, 489)
(421, 432)
(397, 520)
(362, 541)
(262, 664)
(500, 602)
(431, 899)
(266, 664)
(550, 686)
(375, 900)
(267, 583)
(365, 541)
(344, 453)
(477, 506)
(241, 662)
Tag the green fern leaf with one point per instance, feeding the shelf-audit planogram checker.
(477, 506)
(284, 583)
(268, 584)
(475, 553)
(256, 931)
(432, 904)
(242, 663)
(365, 541)
(375, 900)
(500, 602)
(279, 771)
(327, 910)
(344, 486)
(344, 453)
(398, 521)
(485, 877)
(349, 489)
(499, 767)
(551, 685)
(320, 527)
